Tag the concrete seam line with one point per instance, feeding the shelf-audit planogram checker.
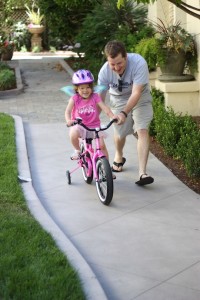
(91, 285)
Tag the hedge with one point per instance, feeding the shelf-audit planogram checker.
(178, 134)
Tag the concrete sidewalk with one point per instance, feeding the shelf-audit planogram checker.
(145, 245)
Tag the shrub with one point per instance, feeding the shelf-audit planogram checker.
(188, 146)
(4, 66)
(107, 22)
(179, 135)
(7, 79)
(147, 47)
(159, 110)
(21, 36)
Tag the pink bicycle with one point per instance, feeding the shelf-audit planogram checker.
(94, 164)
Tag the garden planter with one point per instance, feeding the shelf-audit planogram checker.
(7, 55)
(173, 67)
(36, 40)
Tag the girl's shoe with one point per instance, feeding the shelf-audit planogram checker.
(75, 155)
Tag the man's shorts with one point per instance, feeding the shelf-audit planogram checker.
(140, 118)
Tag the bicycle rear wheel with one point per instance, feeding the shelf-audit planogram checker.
(104, 184)
(86, 167)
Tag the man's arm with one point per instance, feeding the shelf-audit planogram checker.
(103, 96)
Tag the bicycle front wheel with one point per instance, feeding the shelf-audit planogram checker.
(104, 184)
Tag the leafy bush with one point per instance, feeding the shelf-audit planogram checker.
(4, 65)
(21, 36)
(188, 147)
(147, 47)
(64, 20)
(7, 79)
(179, 135)
(159, 110)
(107, 22)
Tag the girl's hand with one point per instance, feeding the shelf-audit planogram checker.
(70, 123)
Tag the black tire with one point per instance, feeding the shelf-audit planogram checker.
(86, 164)
(104, 185)
(68, 177)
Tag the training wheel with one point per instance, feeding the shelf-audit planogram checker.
(68, 177)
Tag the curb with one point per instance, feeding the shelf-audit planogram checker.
(20, 87)
(66, 67)
(90, 283)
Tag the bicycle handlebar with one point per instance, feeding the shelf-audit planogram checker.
(101, 128)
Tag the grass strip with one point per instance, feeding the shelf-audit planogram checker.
(31, 265)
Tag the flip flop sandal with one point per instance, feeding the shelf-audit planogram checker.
(145, 180)
(114, 176)
(119, 165)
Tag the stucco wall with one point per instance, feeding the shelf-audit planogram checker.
(170, 14)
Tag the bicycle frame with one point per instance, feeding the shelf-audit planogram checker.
(95, 154)
(94, 164)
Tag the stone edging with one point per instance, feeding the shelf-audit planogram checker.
(66, 67)
(20, 87)
(90, 283)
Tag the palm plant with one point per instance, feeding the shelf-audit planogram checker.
(106, 22)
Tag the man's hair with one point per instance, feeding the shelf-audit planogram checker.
(114, 48)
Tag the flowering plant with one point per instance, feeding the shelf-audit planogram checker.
(6, 45)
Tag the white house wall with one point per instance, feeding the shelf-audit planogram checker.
(170, 14)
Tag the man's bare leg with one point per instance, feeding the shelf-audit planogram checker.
(143, 154)
(119, 145)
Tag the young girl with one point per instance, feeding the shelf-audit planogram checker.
(87, 105)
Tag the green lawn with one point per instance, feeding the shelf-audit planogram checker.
(31, 265)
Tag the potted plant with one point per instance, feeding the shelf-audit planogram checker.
(35, 26)
(6, 47)
(34, 16)
(176, 49)
(173, 49)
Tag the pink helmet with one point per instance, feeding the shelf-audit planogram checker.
(82, 77)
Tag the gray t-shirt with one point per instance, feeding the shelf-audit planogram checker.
(136, 72)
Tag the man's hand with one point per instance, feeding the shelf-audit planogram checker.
(121, 118)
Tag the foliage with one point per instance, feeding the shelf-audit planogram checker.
(6, 44)
(63, 20)
(132, 39)
(4, 65)
(147, 47)
(36, 49)
(106, 22)
(7, 7)
(174, 38)
(34, 14)
(21, 36)
(7, 79)
(166, 41)
(179, 135)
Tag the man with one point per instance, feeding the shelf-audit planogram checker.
(126, 76)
